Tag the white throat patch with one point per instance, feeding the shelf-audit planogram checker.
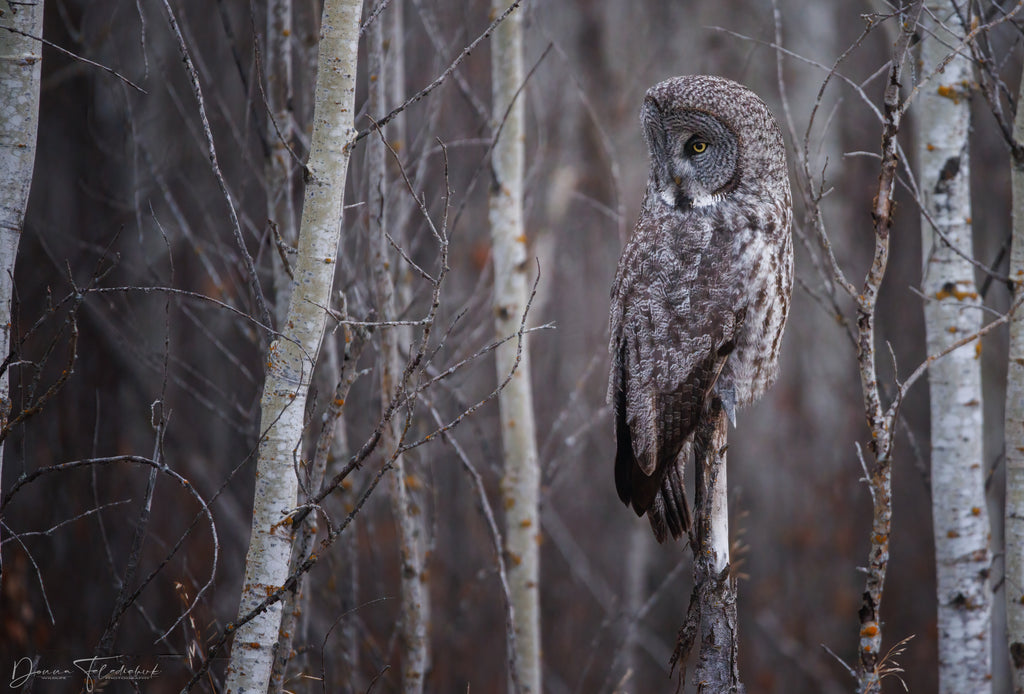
(668, 197)
(706, 200)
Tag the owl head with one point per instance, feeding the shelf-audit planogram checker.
(709, 137)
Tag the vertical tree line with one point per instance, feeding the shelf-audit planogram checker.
(1014, 425)
(952, 308)
(20, 70)
(521, 481)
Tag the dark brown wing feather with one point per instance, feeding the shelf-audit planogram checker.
(661, 493)
(677, 304)
(666, 364)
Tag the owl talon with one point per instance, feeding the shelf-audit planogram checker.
(729, 405)
(727, 399)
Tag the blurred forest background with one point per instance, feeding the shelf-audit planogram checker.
(122, 183)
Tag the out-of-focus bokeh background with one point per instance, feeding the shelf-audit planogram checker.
(124, 173)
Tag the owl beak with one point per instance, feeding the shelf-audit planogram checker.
(683, 202)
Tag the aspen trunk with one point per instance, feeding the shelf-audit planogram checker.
(292, 357)
(1014, 584)
(279, 166)
(952, 310)
(521, 483)
(408, 516)
(403, 206)
(20, 68)
(278, 172)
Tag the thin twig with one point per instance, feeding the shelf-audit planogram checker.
(160, 467)
(75, 56)
(190, 68)
(439, 80)
(39, 574)
(497, 544)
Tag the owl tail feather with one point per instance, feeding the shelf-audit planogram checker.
(670, 512)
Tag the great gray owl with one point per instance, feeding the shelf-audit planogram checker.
(702, 289)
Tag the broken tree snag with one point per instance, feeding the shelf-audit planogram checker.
(712, 611)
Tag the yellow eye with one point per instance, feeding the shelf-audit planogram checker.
(698, 147)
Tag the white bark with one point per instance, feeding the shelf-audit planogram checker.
(408, 516)
(291, 358)
(1014, 585)
(718, 498)
(278, 171)
(280, 166)
(960, 518)
(521, 483)
(20, 66)
(403, 206)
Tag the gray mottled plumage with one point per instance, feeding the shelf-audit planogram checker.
(702, 289)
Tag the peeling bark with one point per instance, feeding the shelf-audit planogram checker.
(718, 668)
(711, 616)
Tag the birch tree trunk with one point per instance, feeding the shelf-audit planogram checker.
(291, 357)
(20, 67)
(952, 310)
(403, 206)
(279, 166)
(278, 172)
(408, 517)
(521, 483)
(1014, 585)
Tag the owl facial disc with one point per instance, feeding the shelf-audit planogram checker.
(694, 155)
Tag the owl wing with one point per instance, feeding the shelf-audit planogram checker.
(675, 315)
